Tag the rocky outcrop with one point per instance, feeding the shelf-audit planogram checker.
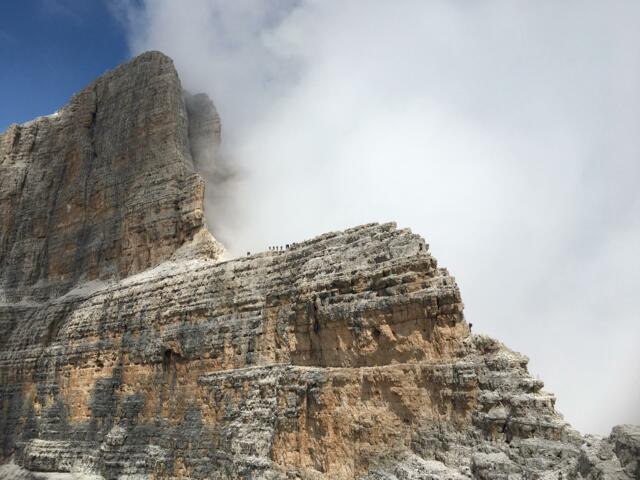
(204, 130)
(104, 188)
(140, 354)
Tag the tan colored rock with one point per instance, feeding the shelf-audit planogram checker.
(104, 188)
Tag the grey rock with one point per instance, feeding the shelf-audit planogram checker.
(626, 445)
(103, 188)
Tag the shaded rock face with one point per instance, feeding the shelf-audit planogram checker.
(129, 350)
(204, 130)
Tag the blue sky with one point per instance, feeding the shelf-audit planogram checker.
(51, 49)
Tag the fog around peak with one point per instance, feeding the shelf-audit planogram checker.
(504, 133)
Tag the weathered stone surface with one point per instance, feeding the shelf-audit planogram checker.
(626, 445)
(103, 188)
(346, 356)
(204, 130)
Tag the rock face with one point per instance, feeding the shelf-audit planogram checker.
(103, 188)
(129, 350)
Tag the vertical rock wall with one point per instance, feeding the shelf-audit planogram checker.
(104, 188)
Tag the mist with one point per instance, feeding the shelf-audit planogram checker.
(505, 133)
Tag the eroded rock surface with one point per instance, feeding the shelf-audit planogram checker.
(129, 350)
(103, 188)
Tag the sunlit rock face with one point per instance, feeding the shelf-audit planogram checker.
(104, 188)
(128, 349)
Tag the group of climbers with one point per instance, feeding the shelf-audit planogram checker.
(278, 248)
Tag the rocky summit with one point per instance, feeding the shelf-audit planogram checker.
(129, 349)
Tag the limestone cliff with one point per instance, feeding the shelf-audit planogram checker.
(129, 350)
(103, 188)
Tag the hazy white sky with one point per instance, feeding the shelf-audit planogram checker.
(506, 133)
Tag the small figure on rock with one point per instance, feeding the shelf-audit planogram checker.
(470, 325)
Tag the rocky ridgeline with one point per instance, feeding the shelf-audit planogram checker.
(129, 350)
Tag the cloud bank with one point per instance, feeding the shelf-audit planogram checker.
(505, 133)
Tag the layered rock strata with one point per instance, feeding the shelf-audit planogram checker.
(128, 349)
(103, 188)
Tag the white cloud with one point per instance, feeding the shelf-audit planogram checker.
(503, 132)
